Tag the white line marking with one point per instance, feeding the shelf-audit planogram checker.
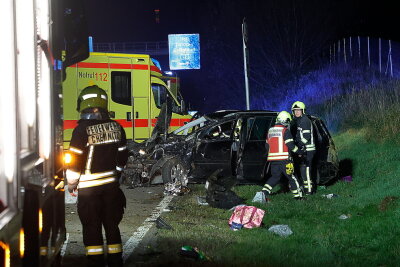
(64, 247)
(137, 236)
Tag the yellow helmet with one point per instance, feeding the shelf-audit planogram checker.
(284, 118)
(299, 105)
(92, 97)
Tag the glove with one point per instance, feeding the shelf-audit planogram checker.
(72, 189)
(302, 152)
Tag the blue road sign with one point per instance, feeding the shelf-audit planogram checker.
(184, 51)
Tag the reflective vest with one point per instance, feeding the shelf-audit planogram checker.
(278, 149)
(99, 152)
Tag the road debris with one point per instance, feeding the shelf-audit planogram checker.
(330, 196)
(176, 189)
(202, 201)
(344, 216)
(259, 198)
(219, 192)
(162, 224)
(247, 216)
(233, 208)
(281, 230)
(236, 226)
(347, 178)
(192, 252)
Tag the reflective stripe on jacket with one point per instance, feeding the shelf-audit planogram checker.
(98, 148)
(280, 142)
(305, 133)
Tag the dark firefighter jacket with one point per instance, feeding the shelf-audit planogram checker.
(304, 133)
(99, 153)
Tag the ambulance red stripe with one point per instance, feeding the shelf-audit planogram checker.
(71, 124)
(91, 65)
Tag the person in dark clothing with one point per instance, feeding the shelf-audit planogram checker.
(280, 146)
(99, 154)
(305, 141)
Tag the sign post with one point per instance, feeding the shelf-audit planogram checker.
(246, 61)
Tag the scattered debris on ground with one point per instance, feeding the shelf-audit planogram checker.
(162, 224)
(344, 216)
(347, 178)
(246, 217)
(259, 198)
(192, 252)
(233, 208)
(202, 201)
(330, 196)
(176, 189)
(219, 193)
(281, 230)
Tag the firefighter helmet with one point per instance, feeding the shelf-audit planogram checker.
(92, 97)
(299, 105)
(284, 118)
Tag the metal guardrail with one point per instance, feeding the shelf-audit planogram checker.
(151, 48)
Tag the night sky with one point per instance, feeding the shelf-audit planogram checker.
(319, 23)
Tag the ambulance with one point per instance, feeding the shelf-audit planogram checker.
(136, 90)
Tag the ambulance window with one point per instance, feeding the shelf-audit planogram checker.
(121, 87)
(159, 93)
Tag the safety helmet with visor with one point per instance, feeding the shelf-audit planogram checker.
(92, 97)
(299, 105)
(284, 118)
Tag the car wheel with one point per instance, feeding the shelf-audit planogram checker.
(174, 172)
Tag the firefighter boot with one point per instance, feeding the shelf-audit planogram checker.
(95, 260)
(114, 259)
(266, 194)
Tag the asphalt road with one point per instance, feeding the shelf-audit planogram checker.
(143, 206)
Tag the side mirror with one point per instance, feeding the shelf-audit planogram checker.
(184, 110)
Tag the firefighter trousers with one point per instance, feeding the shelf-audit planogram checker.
(306, 172)
(285, 169)
(102, 206)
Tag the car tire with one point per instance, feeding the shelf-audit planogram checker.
(173, 171)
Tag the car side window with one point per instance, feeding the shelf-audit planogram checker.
(260, 128)
(221, 131)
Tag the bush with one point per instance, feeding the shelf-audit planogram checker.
(346, 97)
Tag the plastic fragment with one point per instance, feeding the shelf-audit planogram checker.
(330, 196)
(281, 230)
(259, 198)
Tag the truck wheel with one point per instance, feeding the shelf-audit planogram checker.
(174, 172)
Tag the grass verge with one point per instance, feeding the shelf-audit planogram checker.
(369, 236)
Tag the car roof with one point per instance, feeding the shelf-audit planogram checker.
(229, 113)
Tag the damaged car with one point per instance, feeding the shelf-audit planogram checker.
(230, 141)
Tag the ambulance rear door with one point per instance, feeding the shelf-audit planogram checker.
(141, 92)
(121, 88)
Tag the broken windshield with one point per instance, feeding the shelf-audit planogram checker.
(191, 126)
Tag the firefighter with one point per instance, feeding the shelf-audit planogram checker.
(305, 141)
(281, 146)
(99, 154)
